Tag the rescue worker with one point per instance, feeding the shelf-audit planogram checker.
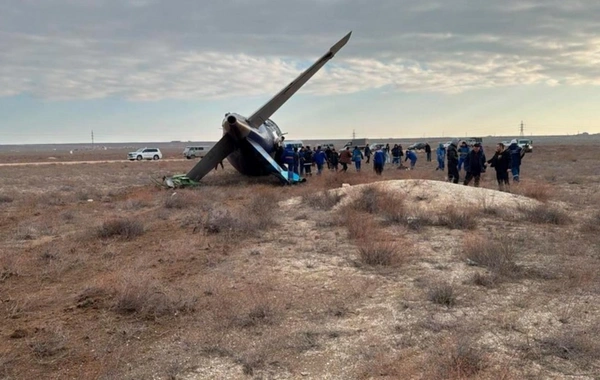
(516, 154)
(452, 156)
(368, 153)
(357, 157)
(288, 159)
(501, 162)
(474, 165)
(319, 158)
(463, 151)
(441, 156)
(412, 156)
(378, 160)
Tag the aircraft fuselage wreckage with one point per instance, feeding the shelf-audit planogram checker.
(250, 143)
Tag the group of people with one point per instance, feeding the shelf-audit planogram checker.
(458, 156)
(474, 161)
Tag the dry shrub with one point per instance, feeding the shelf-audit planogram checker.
(376, 253)
(5, 198)
(442, 293)
(126, 229)
(496, 254)
(539, 191)
(579, 345)
(148, 299)
(458, 359)
(324, 200)
(592, 224)
(49, 344)
(361, 226)
(545, 214)
(458, 218)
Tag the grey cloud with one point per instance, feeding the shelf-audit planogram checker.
(152, 49)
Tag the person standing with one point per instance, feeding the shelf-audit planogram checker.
(474, 165)
(357, 157)
(334, 159)
(368, 153)
(320, 158)
(388, 157)
(378, 161)
(441, 156)
(501, 162)
(396, 155)
(412, 156)
(308, 161)
(428, 151)
(345, 158)
(463, 151)
(296, 161)
(288, 159)
(516, 155)
(452, 156)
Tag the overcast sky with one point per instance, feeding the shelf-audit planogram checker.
(154, 70)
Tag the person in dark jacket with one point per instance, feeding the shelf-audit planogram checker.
(428, 151)
(334, 159)
(502, 163)
(296, 161)
(378, 161)
(396, 155)
(368, 153)
(328, 155)
(516, 154)
(308, 160)
(474, 165)
(288, 159)
(452, 156)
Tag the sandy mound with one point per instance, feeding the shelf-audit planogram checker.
(435, 195)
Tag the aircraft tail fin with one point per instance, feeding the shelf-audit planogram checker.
(216, 154)
(265, 112)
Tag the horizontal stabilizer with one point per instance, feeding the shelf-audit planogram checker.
(277, 170)
(265, 112)
(218, 153)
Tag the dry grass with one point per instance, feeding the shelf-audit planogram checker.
(381, 253)
(280, 292)
(442, 293)
(545, 214)
(536, 190)
(126, 229)
(324, 200)
(459, 218)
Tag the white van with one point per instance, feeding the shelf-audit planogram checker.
(195, 151)
(294, 143)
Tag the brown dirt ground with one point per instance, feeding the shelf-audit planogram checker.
(242, 278)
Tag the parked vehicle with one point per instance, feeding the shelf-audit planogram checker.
(195, 151)
(375, 146)
(471, 141)
(145, 154)
(361, 143)
(526, 144)
(417, 146)
(294, 143)
(328, 145)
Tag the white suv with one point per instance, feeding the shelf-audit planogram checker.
(145, 154)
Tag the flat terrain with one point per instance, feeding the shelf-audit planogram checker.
(103, 275)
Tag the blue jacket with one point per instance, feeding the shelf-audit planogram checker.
(379, 157)
(463, 151)
(410, 155)
(441, 152)
(516, 153)
(357, 155)
(320, 157)
(288, 156)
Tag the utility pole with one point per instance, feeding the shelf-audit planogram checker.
(92, 139)
(353, 134)
(522, 130)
